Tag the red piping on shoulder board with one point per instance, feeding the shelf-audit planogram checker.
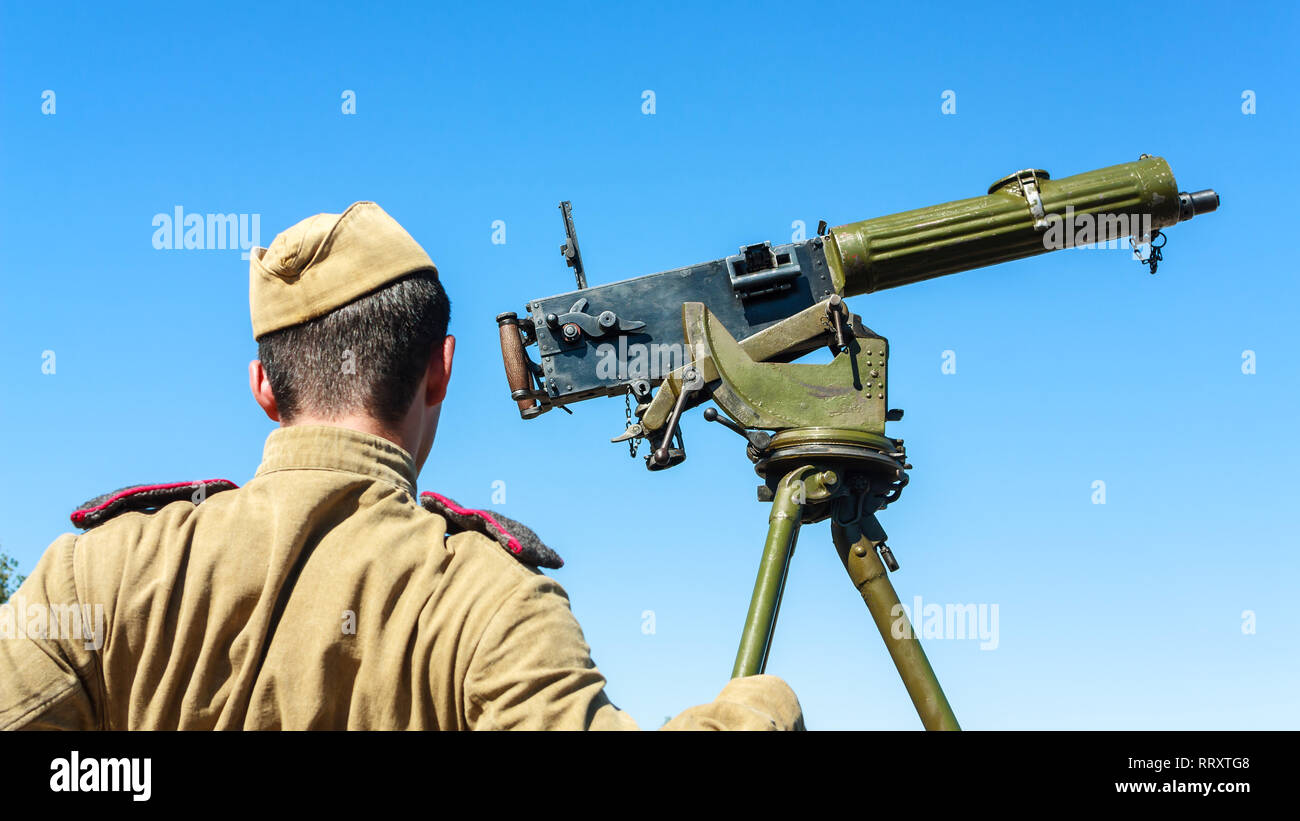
(513, 546)
(79, 516)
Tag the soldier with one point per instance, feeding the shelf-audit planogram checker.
(325, 593)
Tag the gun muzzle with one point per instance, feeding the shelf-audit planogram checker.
(1197, 203)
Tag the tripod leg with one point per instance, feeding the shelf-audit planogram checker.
(858, 553)
(782, 531)
(797, 488)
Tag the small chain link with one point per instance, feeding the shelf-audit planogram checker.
(627, 411)
(1154, 255)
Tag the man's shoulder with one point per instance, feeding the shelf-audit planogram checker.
(131, 524)
(512, 538)
(490, 560)
(145, 498)
(478, 560)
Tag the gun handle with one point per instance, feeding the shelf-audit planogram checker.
(512, 355)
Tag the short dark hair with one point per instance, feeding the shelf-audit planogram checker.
(367, 356)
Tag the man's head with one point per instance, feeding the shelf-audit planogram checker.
(351, 324)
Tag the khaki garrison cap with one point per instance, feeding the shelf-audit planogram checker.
(327, 261)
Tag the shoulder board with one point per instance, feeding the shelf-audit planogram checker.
(146, 498)
(519, 540)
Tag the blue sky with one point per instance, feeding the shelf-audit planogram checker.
(1071, 368)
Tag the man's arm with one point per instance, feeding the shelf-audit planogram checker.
(47, 672)
(532, 669)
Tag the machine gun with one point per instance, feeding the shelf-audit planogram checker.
(730, 329)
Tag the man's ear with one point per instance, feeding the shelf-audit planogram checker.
(260, 385)
(439, 373)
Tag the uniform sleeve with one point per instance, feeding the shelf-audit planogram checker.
(47, 658)
(532, 670)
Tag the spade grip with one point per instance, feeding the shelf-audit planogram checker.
(513, 357)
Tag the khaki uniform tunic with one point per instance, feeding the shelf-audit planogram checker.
(318, 596)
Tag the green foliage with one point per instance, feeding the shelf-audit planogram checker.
(9, 579)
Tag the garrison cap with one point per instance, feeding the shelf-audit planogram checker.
(327, 261)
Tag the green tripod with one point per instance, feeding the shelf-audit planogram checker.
(822, 488)
(826, 458)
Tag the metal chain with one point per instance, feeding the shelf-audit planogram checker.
(1155, 255)
(627, 411)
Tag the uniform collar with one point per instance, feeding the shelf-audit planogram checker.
(323, 447)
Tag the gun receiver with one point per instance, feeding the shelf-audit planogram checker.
(628, 337)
